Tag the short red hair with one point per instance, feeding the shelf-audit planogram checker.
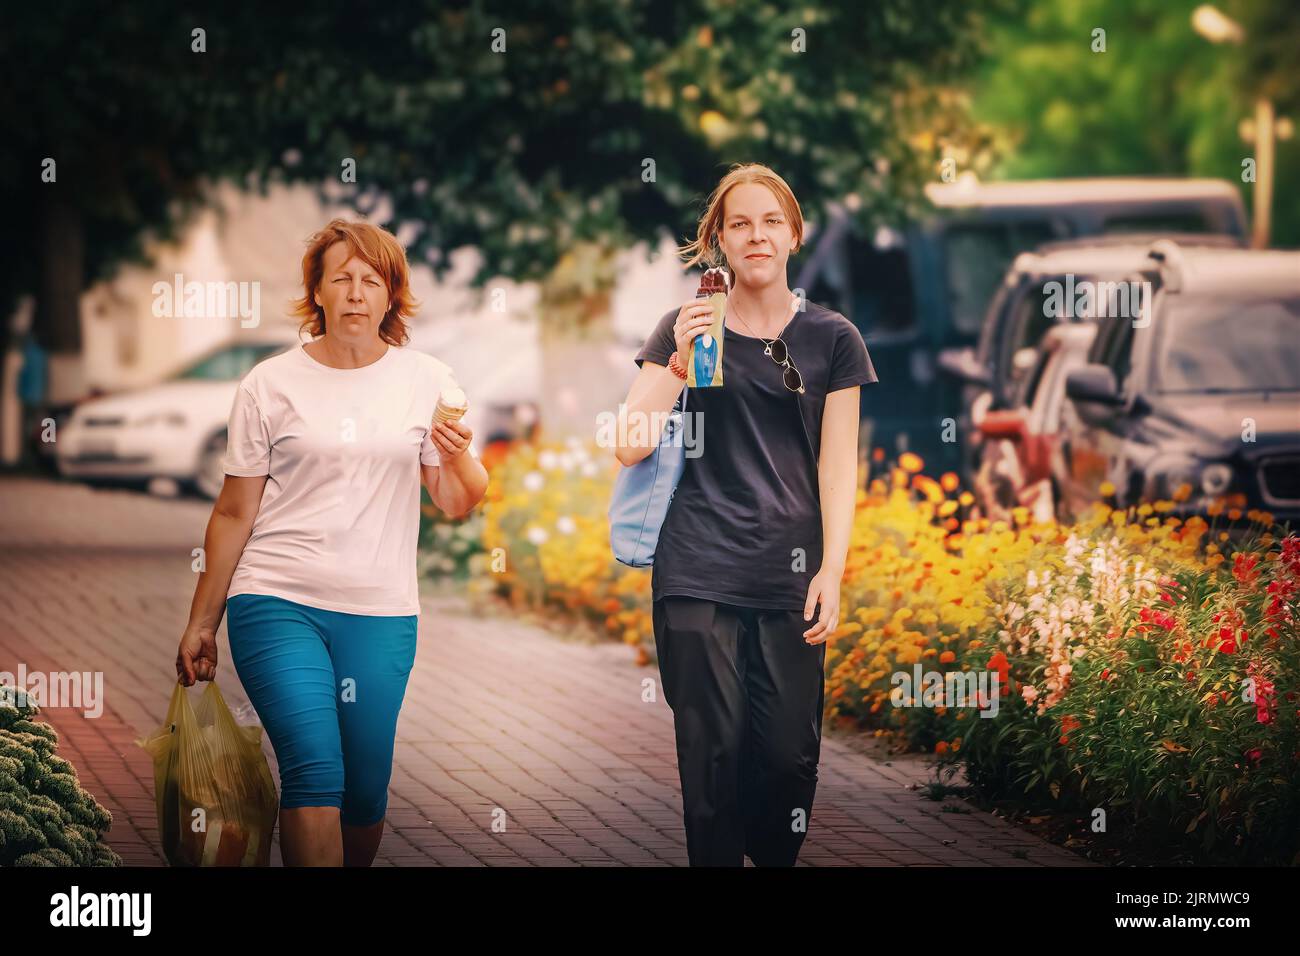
(376, 247)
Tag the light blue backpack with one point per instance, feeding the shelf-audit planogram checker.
(642, 493)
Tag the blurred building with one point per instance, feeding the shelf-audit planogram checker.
(131, 339)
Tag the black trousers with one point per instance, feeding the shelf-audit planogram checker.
(746, 694)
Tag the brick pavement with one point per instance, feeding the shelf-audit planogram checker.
(498, 714)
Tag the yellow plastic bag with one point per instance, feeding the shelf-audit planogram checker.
(216, 799)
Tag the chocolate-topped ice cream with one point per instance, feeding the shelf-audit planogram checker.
(713, 280)
(704, 358)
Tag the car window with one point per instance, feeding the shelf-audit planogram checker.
(995, 324)
(1100, 347)
(1119, 351)
(1220, 343)
(1026, 326)
(978, 256)
(228, 364)
(870, 286)
(1036, 318)
(882, 287)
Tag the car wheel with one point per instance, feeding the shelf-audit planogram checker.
(209, 476)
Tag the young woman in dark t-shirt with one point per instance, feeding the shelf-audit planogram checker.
(747, 570)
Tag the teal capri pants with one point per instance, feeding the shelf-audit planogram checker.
(327, 687)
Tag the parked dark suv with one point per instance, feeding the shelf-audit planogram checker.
(1202, 390)
(916, 292)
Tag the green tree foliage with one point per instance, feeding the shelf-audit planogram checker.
(1160, 100)
(521, 152)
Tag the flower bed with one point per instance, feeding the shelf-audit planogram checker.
(545, 542)
(1146, 665)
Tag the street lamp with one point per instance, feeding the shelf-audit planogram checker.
(1266, 128)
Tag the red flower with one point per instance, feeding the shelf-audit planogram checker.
(1265, 698)
(1228, 643)
(1254, 755)
(1155, 618)
(1244, 567)
(998, 662)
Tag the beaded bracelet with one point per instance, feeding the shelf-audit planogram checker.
(677, 368)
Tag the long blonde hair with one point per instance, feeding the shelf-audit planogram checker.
(706, 246)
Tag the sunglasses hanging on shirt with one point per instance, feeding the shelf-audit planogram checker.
(780, 354)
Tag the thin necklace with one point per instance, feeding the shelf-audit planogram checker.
(767, 343)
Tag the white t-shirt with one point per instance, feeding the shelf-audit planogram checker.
(340, 514)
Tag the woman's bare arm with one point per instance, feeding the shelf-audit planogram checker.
(223, 543)
(653, 393)
(460, 481)
(837, 474)
(228, 530)
(837, 480)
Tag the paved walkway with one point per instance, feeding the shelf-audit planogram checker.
(498, 714)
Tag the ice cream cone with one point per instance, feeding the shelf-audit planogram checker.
(452, 404)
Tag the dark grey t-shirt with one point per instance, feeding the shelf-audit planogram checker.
(750, 500)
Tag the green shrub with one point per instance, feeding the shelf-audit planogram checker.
(46, 818)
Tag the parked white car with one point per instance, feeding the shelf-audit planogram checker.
(176, 429)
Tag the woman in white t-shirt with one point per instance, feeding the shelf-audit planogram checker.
(311, 544)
